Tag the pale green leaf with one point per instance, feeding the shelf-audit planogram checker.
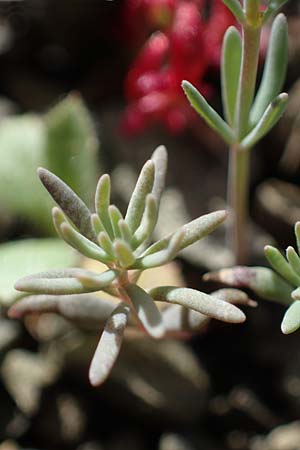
(236, 9)
(230, 71)
(291, 319)
(274, 70)
(142, 188)
(109, 345)
(279, 263)
(269, 119)
(102, 202)
(211, 117)
(200, 302)
(146, 311)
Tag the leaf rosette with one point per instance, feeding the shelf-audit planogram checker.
(123, 244)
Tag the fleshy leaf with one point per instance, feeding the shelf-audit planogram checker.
(161, 257)
(273, 7)
(148, 222)
(106, 244)
(160, 159)
(102, 202)
(293, 259)
(200, 302)
(55, 282)
(125, 231)
(230, 71)
(274, 70)
(70, 203)
(207, 113)
(279, 263)
(146, 311)
(95, 281)
(269, 119)
(291, 319)
(82, 244)
(297, 234)
(85, 309)
(236, 9)
(192, 231)
(115, 216)
(262, 280)
(109, 345)
(142, 188)
(124, 253)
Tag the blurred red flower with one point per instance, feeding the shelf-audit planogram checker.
(185, 43)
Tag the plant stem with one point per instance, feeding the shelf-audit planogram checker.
(238, 179)
(237, 197)
(251, 40)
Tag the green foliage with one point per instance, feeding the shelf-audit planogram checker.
(23, 257)
(247, 118)
(62, 140)
(282, 284)
(268, 105)
(122, 243)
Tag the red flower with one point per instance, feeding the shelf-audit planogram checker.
(186, 47)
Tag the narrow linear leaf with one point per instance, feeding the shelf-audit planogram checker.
(125, 231)
(106, 244)
(102, 202)
(278, 262)
(58, 218)
(94, 281)
(296, 294)
(109, 345)
(115, 216)
(160, 159)
(142, 188)
(293, 259)
(210, 116)
(200, 302)
(82, 244)
(148, 222)
(57, 282)
(85, 309)
(269, 119)
(273, 7)
(274, 70)
(70, 203)
(291, 319)
(97, 224)
(54, 286)
(235, 7)
(162, 256)
(146, 310)
(262, 280)
(192, 231)
(124, 253)
(230, 71)
(179, 319)
(297, 234)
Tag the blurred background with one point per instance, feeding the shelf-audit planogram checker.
(93, 86)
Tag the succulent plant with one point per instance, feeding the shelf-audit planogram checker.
(281, 285)
(123, 244)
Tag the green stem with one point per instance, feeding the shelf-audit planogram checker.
(246, 90)
(252, 11)
(238, 179)
(237, 197)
